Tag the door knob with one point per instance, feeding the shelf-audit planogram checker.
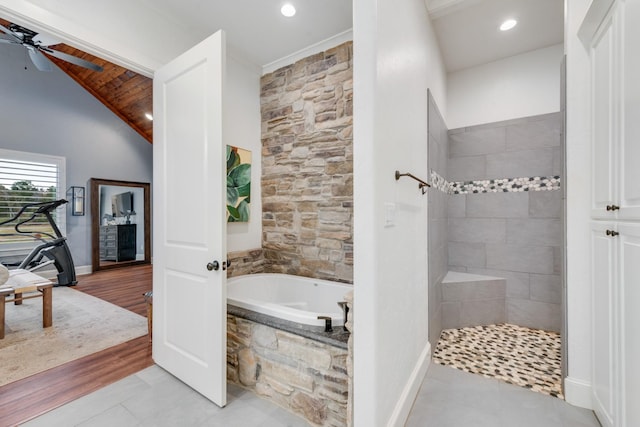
(215, 265)
(612, 233)
(612, 207)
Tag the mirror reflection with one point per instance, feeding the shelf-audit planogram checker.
(120, 223)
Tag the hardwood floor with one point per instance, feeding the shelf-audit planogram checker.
(32, 396)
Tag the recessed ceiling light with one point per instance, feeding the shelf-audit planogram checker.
(508, 24)
(148, 116)
(288, 10)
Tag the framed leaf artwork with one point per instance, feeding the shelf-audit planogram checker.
(238, 184)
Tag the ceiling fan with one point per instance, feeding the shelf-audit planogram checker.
(36, 44)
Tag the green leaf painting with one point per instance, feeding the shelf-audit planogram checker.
(238, 184)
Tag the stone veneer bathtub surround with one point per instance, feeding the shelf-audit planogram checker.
(307, 166)
(307, 224)
(307, 377)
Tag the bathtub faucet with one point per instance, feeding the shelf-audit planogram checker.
(327, 323)
(345, 309)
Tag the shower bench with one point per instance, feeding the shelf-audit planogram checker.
(472, 300)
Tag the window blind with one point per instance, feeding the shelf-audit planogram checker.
(28, 178)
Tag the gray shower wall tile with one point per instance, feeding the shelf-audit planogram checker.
(534, 314)
(557, 260)
(467, 168)
(546, 288)
(514, 164)
(438, 233)
(457, 206)
(476, 290)
(517, 283)
(438, 158)
(482, 312)
(450, 312)
(520, 258)
(545, 204)
(437, 128)
(557, 162)
(534, 134)
(438, 205)
(477, 230)
(458, 314)
(534, 232)
(497, 205)
(477, 142)
(467, 254)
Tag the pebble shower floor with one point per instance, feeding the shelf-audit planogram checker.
(526, 357)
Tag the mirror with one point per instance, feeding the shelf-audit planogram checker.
(120, 223)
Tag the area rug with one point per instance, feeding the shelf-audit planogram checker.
(82, 325)
(522, 356)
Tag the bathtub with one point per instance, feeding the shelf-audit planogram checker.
(294, 298)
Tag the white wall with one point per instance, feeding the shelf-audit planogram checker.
(578, 381)
(519, 86)
(396, 59)
(242, 119)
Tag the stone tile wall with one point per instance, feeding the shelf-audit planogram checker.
(307, 166)
(245, 262)
(514, 234)
(301, 375)
(438, 153)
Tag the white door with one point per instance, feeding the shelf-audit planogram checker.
(602, 67)
(603, 321)
(630, 323)
(189, 228)
(630, 137)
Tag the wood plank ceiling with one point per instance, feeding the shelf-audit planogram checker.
(127, 94)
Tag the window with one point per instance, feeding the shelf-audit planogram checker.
(28, 178)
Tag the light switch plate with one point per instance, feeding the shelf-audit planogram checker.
(389, 214)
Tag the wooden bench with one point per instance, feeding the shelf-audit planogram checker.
(23, 284)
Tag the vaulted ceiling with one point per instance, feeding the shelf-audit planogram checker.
(466, 30)
(127, 94)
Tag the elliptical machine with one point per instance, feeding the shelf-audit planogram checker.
(52, 247)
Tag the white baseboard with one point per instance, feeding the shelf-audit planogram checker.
(577, 392)
(408, 396)
(83, 269)
(51, 273)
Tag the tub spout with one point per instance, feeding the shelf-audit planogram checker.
(327, 323)
(345, 309)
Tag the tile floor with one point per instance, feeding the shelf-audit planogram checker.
(453, 398)
(522, 356)
(447, 398)
(153, 397)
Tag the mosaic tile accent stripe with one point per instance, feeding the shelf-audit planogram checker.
(526, 357)
(502, 185)
(439, 183)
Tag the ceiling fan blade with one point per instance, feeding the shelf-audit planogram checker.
(39, 60)
(45, 40)
(72, 59)
(8, 39)
(9, 35)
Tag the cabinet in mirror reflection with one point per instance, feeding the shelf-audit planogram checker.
(120, 223)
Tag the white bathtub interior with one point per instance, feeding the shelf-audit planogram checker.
(293, 298)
